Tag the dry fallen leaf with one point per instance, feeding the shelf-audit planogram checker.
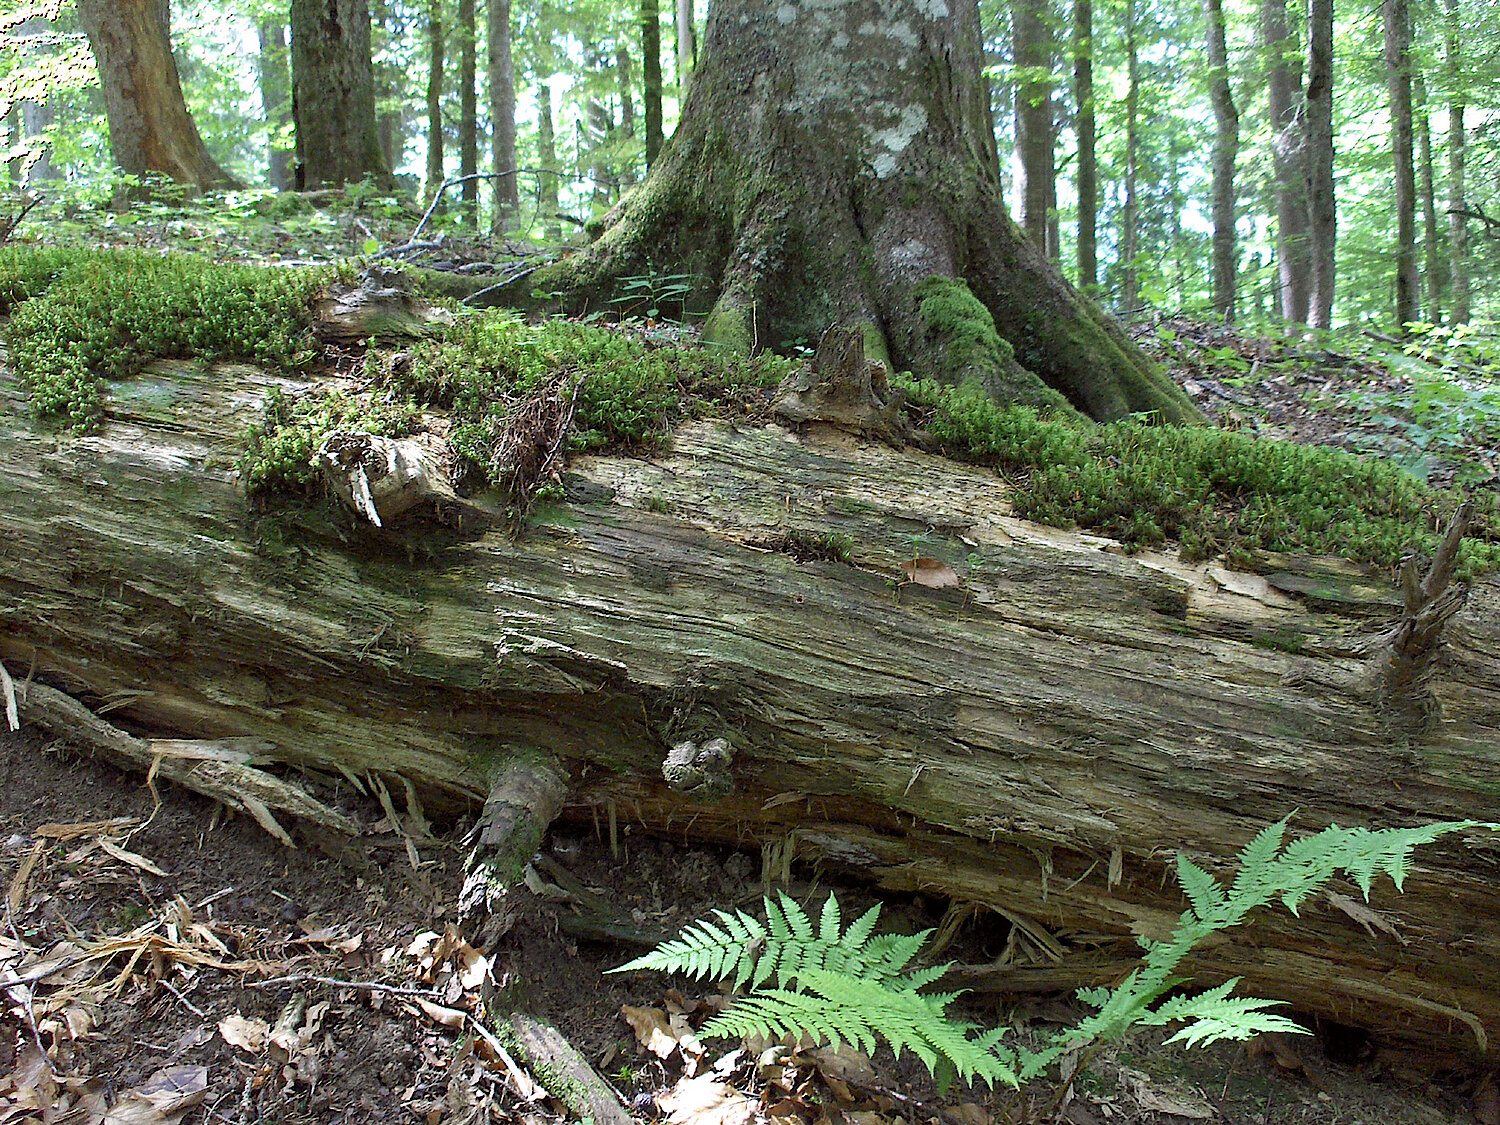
(163, 1099)
(109, 847)
(244, 1033)
(706, 1101)
(446, 1017)
(933, 573)
(651, 1029)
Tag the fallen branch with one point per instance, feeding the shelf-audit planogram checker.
(565, 1072)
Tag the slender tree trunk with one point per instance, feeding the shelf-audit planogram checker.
(468, 112)
(1037, 174)
(1458, 229)
(687, 47)
(1396, 16)
(1130, 291)
(1322, 213)
(389, 116)
(651, 77)
(15, 168)
(150, 129)
(276, 102)
(36, 119)
(596, 141)
(1432, 258)
(546, 141)
(625, 78)
(1226, 148)
(502, 76)
(435, 173)
(1288, 160)
(1083, 125)
(333, 94)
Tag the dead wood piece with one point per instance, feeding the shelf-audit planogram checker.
(844, 389)
(381, 478)
(1401, 670)
(525, 796)
(565, 1072)
(204, 768)
(531, 443)
(380, 306)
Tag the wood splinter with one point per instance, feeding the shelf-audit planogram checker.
(1400, 673)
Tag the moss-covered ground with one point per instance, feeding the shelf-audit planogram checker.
(79, 320)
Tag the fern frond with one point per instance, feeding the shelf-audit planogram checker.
(1202, 889)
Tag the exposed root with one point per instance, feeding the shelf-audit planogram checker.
(531, 443)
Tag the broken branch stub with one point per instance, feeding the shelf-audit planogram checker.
(844, 389)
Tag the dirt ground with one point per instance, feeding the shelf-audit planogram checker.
(186, 966)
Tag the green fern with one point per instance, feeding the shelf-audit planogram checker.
(842, 984)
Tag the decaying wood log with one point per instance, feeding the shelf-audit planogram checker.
(565, 1073)
(1037, 743)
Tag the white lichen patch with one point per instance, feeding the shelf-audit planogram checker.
(786, 13)
(934, 9)
(891, 142)
(902, 33)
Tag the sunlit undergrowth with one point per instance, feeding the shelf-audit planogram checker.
(1212, 491)
(84, 318)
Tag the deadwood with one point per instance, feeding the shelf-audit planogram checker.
(1033, 745)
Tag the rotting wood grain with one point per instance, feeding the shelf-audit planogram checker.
(1073, 710)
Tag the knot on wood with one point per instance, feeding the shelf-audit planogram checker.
(381, 478)
(700, 771)
(845, 389)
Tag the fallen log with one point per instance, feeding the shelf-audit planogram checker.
(1036, 740)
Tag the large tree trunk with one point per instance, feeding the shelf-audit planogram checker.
(149, 126)
(1226, 148)
(1396, 16)
(275, 99)
(1087, 184)
(1318, 117)
(1037, 743)
(1288, 160)
(796, 204)
(333, 94)
(502, 76)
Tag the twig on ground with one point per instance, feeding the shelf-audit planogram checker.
(27, 1001)
(185, 1002)
(334, 982)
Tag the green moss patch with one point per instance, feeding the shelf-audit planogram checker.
(485, 367)
(1212, 491)
(92, 317)
(279, 453)
(962, 334)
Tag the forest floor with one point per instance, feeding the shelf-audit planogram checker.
(186, 966)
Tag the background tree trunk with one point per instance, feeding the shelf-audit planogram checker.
(547, 184)
(333, 94)
(468, 112)
(275, 99)
(502, 76)
(1458, 228)
(1037, 744)
(1083, 125)
(1288, 160)
(1322, 213)
(1396, 17)
(1226, 148)
(435, 173)
(841, 210)
(1431, 253)
(687, 47)
(149, 126)
(625, 79)
(651, 77)
(1130, 291)
(1036, 173)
